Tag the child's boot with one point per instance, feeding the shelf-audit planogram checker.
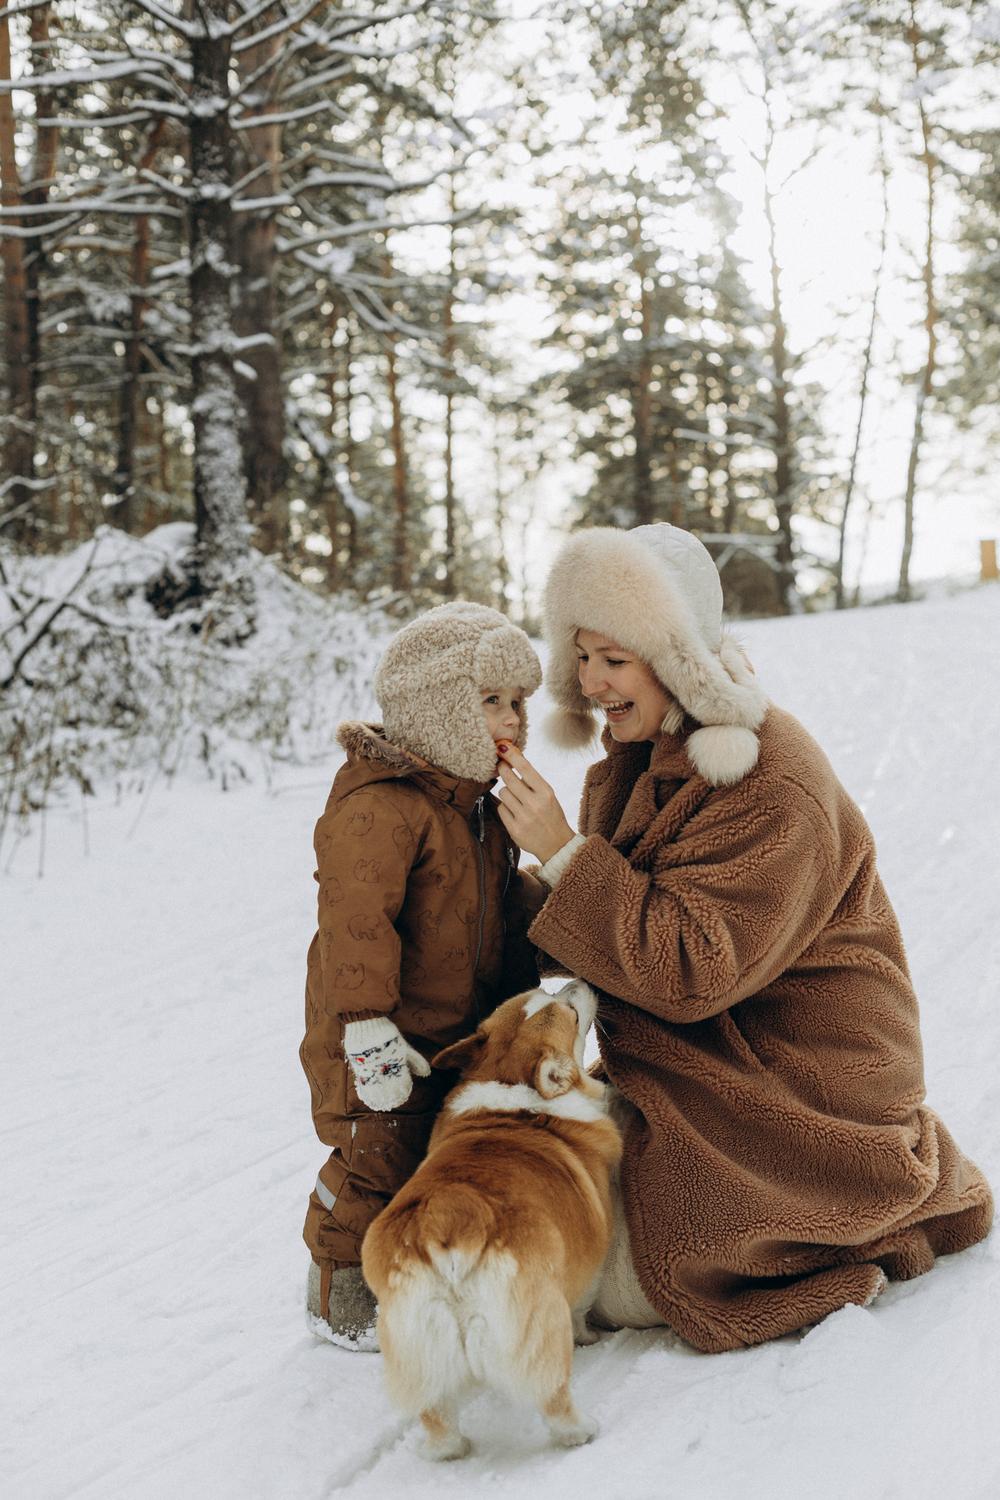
(348, 1319)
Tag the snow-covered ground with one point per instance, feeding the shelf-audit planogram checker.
(158, 1151)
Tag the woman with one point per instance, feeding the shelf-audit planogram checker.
(757, 1017)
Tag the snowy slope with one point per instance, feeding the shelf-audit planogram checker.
(159, 1152)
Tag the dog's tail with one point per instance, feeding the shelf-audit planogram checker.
(433, 1267)
(453, 1231)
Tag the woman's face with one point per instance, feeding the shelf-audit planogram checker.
(633, 699)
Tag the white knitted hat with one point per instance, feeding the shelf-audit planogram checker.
(429, 684)
(656, 591)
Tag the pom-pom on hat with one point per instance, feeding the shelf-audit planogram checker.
(430, 680)
(656, 591)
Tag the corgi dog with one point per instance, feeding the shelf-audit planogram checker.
(485, 1263)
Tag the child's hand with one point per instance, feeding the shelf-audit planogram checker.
(529, 808)
(383, 1062)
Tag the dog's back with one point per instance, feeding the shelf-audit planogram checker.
(480, 1260)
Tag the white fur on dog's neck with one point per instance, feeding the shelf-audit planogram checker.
(511, 1097)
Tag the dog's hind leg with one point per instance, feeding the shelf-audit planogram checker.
(424, 1360)
(546, 1363)
(442, 1438)
(566, 1424)
(582, 1331)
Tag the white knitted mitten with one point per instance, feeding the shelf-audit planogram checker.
(382, 1062)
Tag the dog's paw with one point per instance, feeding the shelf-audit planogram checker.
(584, 1335)
(574, 1434)
(443, 1449)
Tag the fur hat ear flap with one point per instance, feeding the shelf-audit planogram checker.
(570, 729)
(735, 660)
(722, 753)
(460, 1056)
(556, 1074)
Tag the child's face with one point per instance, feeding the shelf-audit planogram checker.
(502, 708)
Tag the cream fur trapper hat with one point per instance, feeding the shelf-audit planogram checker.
(656, 591)
(430, 680)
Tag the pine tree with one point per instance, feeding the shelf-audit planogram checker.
(656, 326)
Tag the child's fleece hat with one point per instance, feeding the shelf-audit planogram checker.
(656, 591)
(430, 680)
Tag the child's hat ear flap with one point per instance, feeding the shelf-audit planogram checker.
(556, 1074)
(460, 1055)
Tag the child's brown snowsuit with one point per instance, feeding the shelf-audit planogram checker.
(422, 917)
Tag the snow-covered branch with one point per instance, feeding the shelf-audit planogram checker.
(367, 179)
(87, 205)
(175, 23)
(317, 81)
(148, 109)
(185, 194)
(258, 205)
(23, 8)
(49, 620)
(92, 122)
(375, 226)
(225, 343)
(256, 122)
(286, 23)
(126, 68)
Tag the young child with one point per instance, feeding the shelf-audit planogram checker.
(423, 917)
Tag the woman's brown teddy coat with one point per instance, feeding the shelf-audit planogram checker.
(422, 917)
(758, 1012)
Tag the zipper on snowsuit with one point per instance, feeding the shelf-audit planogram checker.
(480, 840)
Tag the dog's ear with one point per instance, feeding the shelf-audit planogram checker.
(556, 1074)
(461, 1055)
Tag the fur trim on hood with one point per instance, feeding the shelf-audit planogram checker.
(429, 684)
(368, 742)
(656, 591)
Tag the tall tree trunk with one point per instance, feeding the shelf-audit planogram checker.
(330, 505)
(356, 551)
(866, 366)
(642, 400)
(132, 396)
(448, 351)
(500, 520)
(401, 570)
(865, 538)
(781, 415)
(783, 439)
(678, 500)
(257, 313)
(36, 193)
(929, 162)
(222, 553)
(16, 489)
(401, 567)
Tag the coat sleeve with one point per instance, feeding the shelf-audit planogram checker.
(365, 850)
(525, 896)
(725, 909)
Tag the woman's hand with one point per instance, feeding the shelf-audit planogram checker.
(529, 808)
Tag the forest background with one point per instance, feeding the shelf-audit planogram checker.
(394, 295)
